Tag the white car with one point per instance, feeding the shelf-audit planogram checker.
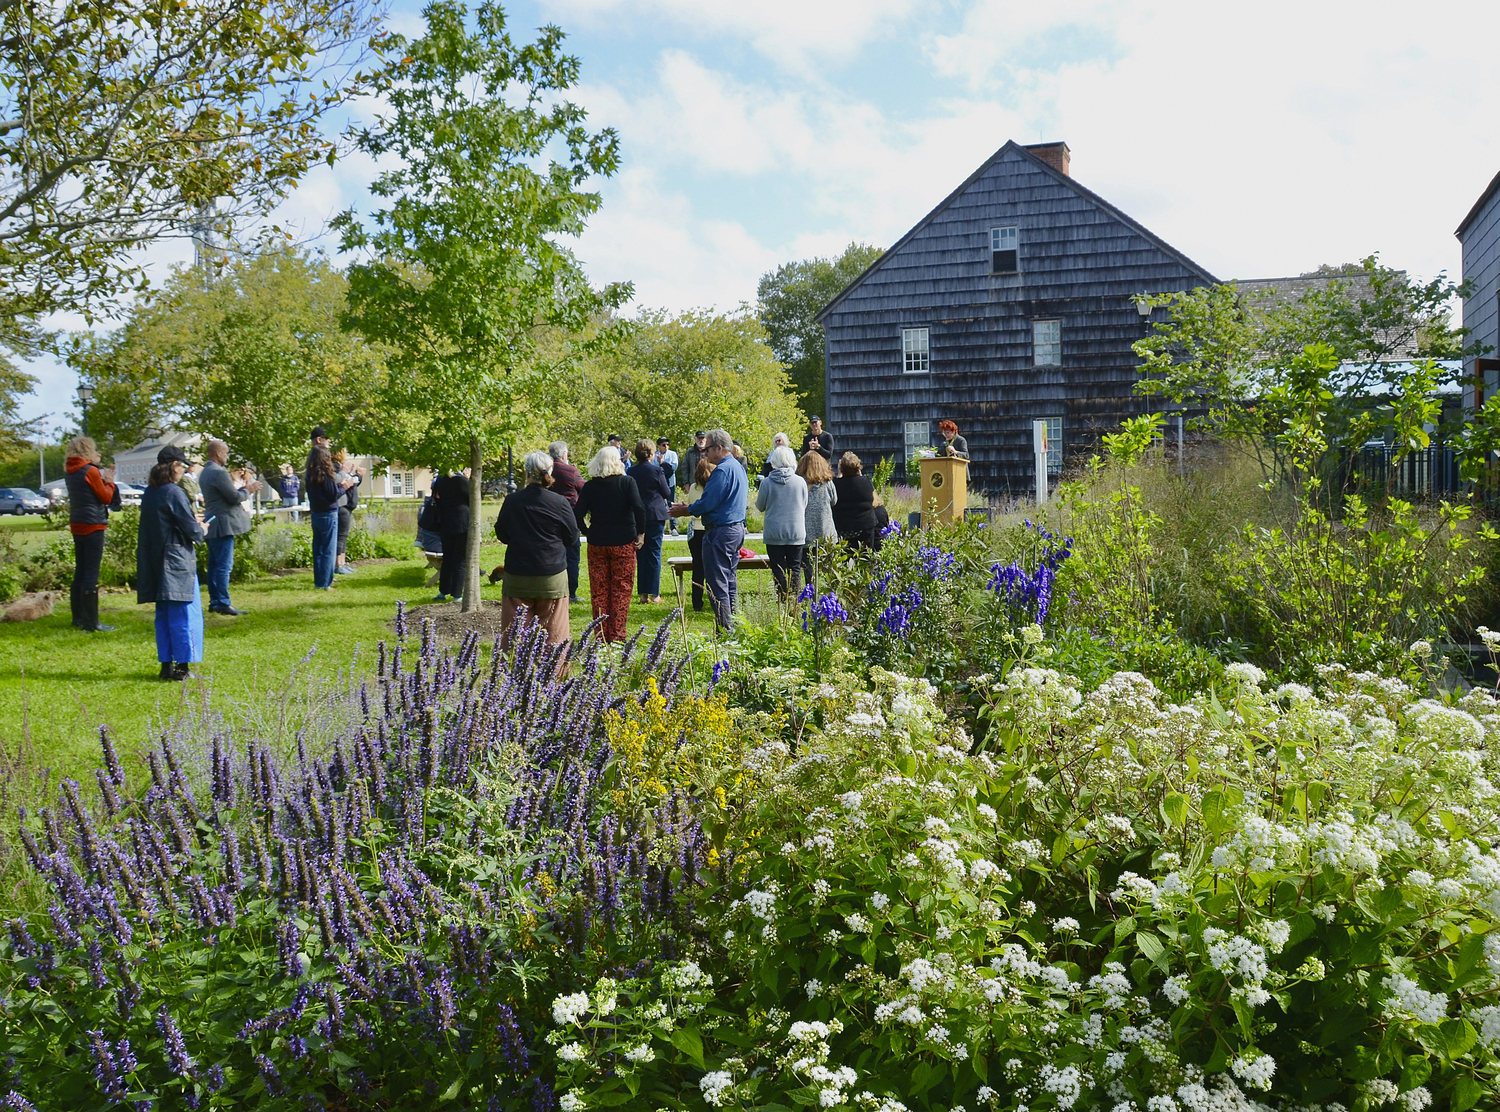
(130, 494)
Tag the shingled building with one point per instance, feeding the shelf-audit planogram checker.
(1014, 299)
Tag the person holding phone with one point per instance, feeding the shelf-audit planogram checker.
(92, 494)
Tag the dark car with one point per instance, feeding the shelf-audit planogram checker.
(19, 500)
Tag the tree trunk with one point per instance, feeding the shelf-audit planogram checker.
(472, 579)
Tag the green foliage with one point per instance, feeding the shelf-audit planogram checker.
(465, 270)
(790, 297)
(256, 358)
(673, 374)
(135, 120)
(1262, 365)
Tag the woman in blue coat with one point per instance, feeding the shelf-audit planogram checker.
(166, 566)
(656, 496)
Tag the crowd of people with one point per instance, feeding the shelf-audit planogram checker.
(624, 508)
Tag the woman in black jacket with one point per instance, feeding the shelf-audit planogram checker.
(613, 518)
(450, 494)
(323, 494)
(166, 566)
(854, 512)
(538, 528)
(656, 496)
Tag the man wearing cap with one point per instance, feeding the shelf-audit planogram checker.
(617, 442)
(817, 440)
(224, 511)
(690, 459)
(166, 566)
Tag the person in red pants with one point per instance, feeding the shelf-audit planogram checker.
(612, 517)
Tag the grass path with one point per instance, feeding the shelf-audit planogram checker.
(57, 684)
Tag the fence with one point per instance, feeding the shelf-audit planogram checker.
(1427, 472)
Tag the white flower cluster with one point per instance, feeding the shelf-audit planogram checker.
(1236, 955)
(642, 1053)
(1255, 1072)
(570, 1101)
(715, 1086)
(572, 1052)
(1409, 999)
(1065, 1084)
(685, 977)
(832, 1084)
(570, 1009)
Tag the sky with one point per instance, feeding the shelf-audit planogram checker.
(1259, 139)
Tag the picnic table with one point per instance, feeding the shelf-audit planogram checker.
(682, 565)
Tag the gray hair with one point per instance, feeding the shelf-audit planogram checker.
(606, 462)
(83, 446)
(537, 464)
(558, 449)
(718, 438)
(782, 456)
(781, 439)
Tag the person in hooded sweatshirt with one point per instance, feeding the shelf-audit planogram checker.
(782, 497)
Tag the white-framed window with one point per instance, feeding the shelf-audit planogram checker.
(1046, 343)
(918, 437)
(1004, 258)
(916, 357)
(1054, 445)
(403, 484)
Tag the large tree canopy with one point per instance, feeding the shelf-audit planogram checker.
(790, 297)
(465, 270)
(672, 375)
(122, 120)
(256, 357)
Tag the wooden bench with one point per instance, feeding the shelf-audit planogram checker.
(683, 565)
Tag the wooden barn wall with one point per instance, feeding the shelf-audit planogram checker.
(1481, 265)
(1079, 264)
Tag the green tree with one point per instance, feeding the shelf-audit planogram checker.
(257, 357)
(673, 374)
(466, 271)
(1357, 353)
(123, 121)
(790, 297)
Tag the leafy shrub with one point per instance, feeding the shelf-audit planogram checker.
(49, 567)
(117, 569)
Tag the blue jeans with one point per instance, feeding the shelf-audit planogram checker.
(648, 562)
(721, 568)
(325, 527)
(291, 504)
(220, 564)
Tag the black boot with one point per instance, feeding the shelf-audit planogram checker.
(166, 671)
(183, 672)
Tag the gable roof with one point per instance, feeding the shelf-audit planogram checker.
(1489, 191)
(1058, 175)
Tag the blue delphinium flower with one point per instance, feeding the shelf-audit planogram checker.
(827, 610)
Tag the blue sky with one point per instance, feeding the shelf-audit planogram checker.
(1260, 139)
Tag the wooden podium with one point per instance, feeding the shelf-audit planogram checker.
(945, 489)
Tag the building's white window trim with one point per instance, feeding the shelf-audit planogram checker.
(916, 435)
(916, 351)
(1005, 255)
(1046, 343)
(1054, 445)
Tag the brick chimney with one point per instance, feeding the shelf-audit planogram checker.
(1055, 155)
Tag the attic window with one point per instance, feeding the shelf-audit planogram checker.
(1003, 254)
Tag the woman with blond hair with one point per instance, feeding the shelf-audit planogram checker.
(854, 512)
(538, 529)
(92, 493)
(612, 516)
(822, 496)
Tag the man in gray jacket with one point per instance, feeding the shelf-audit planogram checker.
(224, 512)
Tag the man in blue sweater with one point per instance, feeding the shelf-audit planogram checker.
(722, 511)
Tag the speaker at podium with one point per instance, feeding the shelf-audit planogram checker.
(945, 489)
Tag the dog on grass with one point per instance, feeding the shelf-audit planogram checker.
(28, 608)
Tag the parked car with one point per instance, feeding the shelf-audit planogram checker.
(20, 500)
(130, 494)
(55, 492)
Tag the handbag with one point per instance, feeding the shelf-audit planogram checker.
(427, 520)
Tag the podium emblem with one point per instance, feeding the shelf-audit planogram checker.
(937, 478)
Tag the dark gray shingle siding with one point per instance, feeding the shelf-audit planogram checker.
(1080, 263)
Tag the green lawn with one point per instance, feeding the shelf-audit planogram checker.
(58, 685)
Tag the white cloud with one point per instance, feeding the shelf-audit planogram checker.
(788, 32)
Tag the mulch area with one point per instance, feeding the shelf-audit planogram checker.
(450, 623)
